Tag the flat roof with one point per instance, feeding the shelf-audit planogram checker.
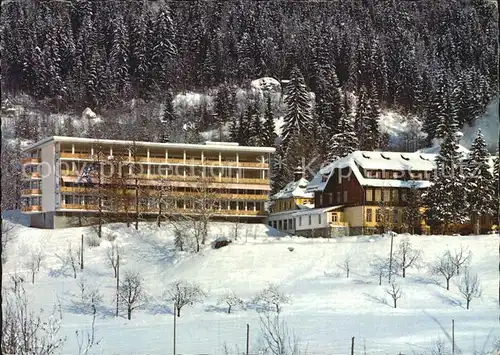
(220, 146)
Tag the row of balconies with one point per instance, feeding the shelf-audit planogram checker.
(178, 194)
(145, 209)
(32, 208)
(185, 178)
(30, 161)
(31, 192)
(173, 161)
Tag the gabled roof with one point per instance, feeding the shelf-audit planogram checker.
(294, 189)
(369, 160)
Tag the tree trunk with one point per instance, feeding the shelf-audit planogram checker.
(229, 310)
(404, 272)
(395, 303)
(277, 308)
(477, 225)
(32, 277)
(448, 284)
(380, 279)
(129, 313)
(178, 311)
(468, 303)
(136, 205)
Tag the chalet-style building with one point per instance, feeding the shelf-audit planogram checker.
(364, 193)
(292, 198)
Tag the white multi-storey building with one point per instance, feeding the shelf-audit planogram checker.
(67, 178)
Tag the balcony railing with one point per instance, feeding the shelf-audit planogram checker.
(31, 192)
(76, 206)
(33, 208)
(177, 194)
(33, 175)
(32, 161)
(170, 161)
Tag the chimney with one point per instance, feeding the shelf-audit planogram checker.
(298, 173)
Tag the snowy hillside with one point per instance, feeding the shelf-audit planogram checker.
(327, 309)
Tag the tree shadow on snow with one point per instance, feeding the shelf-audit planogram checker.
(157, 308)
(376, 299)
(85, 309)
(219, 309)
(447, 299)
(425, 280)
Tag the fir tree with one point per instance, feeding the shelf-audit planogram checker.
(269, 129)
(256, 129)
(119, 58)
(496, 188)
(366, 124)
(344, 143)
(167, 118)
(436, 108)
(479, 181)
(297, 119)
(163, 48)
(329, 106)
(411, 212)
(447, 196)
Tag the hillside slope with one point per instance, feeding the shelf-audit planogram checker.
(326, 310)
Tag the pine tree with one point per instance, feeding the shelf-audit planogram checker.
(329, 106)
(447, 196)
(436, 108)
(345, 142)
(163, 48)
(167, 118)
(119, 58)
(269, 129)
(366, 123)
(297, 119)
(411, 212)
(479, 181)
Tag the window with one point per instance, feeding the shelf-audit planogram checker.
(285, 224)
(387, 175)
(338, 197)
(309, 219)
(395, 195)
(378, 216)
(290, 223)
(345, 196)
(270, 224)
(387, 195)
(300, 221)
(274, 224)
(321, 200)
(369, 195)
(378, 195)
(395, 216)
(369, 215)
(330, 198)
(335, 217)
(319, 219)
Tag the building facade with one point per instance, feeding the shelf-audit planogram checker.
(368, 192)
(292, 198)
(68, 180)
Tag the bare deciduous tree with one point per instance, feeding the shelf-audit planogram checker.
(32, 260)
(87, 341)
(444, 266)
(346, 265)
(406, 256)
(131, 293)
(460, 257)
(88, 298)
(380, 268)
(6, 236)
(469, 286)
(112, 255)
(230, 299)
(24, 331)
(183, 293)
(394, 290)
(277, 338)
(71, 259)
(272, 298)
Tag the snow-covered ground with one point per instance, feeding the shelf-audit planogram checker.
(327, 309)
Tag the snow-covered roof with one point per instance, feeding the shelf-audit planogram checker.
(370, 160)
(211, 145)
(317, 210)
(294, 189)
